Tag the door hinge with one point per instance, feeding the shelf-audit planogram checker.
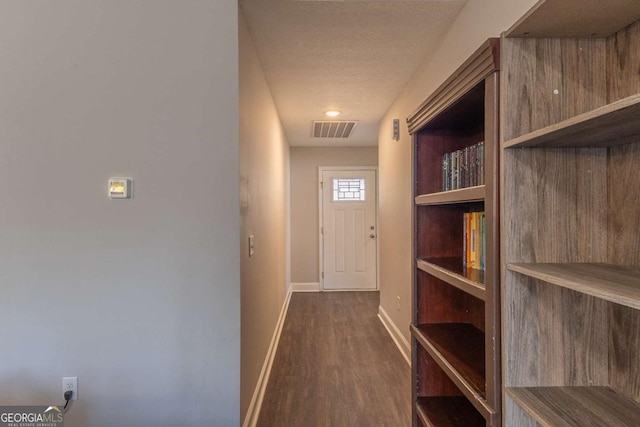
(321, 184)
(323, 274)
(321, 230)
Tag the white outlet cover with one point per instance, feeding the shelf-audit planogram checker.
(70, 383)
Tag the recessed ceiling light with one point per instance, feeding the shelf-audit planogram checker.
(332, 113)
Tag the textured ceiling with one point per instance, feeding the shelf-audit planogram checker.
(352, 55)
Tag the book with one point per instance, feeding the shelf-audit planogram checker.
(483, 244)
(465, 239)
(445, 172)
(463, 168)
(454, 170)
(473, 253)
(473, 240)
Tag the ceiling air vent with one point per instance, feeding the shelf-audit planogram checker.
(333, 129)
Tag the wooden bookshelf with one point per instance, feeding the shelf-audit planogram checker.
(455, 327)
(570, 209)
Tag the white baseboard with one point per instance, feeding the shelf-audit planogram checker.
(396, 335)
(305, 287)
(253, 413)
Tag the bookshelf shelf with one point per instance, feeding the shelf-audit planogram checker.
(613, 124)
(462, 195)
(451, 271)
(617, 284)
(571, 254)
(576, 406)
(458, 348)
(456, 316)
(451, 411)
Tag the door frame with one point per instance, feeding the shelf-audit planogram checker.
(321, 170)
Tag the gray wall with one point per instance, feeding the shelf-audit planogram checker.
(304, 201)
(140, 299)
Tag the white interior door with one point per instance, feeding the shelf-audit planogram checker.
(349, 229)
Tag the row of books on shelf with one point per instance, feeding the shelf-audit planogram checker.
(463, 168)
(474, 247)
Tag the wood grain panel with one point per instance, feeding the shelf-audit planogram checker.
(624, 205)
(439, 302)
(431, 379)
(555, 336)
(516, 97)
(623, 63)
(521, 332)
(515, 415)
(555, 205)
(577, 406)
(584, 333)
(624, 350)
(576, 353)
(583, 72)
(550, 318)
(546, 81)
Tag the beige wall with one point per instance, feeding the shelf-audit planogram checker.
(304, 201)
(264, 197)
(138, 298)
(478, 20)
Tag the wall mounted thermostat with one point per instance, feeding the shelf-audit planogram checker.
(120, 188)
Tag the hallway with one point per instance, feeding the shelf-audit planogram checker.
(336, 365)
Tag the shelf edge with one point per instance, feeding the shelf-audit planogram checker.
(461, 195)
(586, 289)
(471, 394)
(460, 282)
(529, 140)
(531, 404)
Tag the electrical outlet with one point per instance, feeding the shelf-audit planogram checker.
(70, 383)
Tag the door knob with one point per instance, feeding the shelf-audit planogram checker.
(373, 236)
(372, 227)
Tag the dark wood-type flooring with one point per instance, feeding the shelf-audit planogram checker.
(336, 365)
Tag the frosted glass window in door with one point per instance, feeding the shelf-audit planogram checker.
(348, 190)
